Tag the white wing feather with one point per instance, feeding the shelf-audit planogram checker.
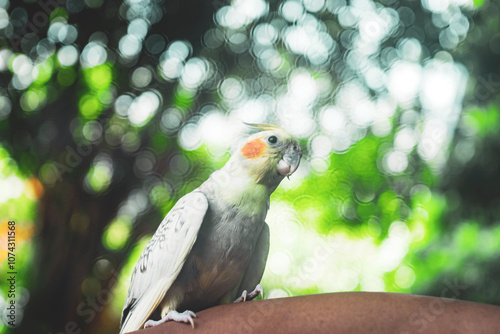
(162, 259)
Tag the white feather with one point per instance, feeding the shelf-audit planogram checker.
(163, 258)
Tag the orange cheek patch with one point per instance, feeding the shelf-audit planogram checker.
(253, 149)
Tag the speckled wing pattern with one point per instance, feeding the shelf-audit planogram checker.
(162, 259)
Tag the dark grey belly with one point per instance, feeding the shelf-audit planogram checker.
(218, 260)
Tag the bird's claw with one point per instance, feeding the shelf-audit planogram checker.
(186, 316)
(252, 295)
(258, 290)
(242, 298)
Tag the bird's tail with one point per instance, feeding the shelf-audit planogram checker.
(145, 305)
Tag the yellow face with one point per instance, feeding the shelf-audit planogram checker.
(270, 155)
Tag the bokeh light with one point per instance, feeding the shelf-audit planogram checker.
(122, 108)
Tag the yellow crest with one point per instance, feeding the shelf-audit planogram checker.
(264, 127)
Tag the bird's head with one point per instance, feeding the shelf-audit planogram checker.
(269, 155)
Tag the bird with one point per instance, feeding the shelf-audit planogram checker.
(212, 246)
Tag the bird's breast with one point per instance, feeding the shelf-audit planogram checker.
(221, 254)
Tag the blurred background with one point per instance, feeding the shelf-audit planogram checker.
(112, 110)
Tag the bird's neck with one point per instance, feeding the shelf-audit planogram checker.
(238, 189)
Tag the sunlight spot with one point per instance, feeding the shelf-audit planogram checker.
(404, 277)
(93, 54)
(404, 82)
(143, 108)
(10, 187)
(279, 263)
(395, 162)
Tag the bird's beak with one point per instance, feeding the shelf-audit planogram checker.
(289, 163)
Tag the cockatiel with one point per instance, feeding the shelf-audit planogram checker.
(212, 247)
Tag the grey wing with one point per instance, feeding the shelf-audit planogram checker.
(255, 270)
(162, 259)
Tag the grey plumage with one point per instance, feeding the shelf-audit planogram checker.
(213, 244)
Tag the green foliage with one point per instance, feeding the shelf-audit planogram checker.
(484, 121)
(96, 95)
(18, 204)
(117, 233)
(478, 3)
(183, 98)
(66, 76)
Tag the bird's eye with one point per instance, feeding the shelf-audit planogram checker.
(273, 139)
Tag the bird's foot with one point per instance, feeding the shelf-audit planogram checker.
(186, 316)
(252, 295)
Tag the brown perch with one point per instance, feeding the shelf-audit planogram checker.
(338, 313)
